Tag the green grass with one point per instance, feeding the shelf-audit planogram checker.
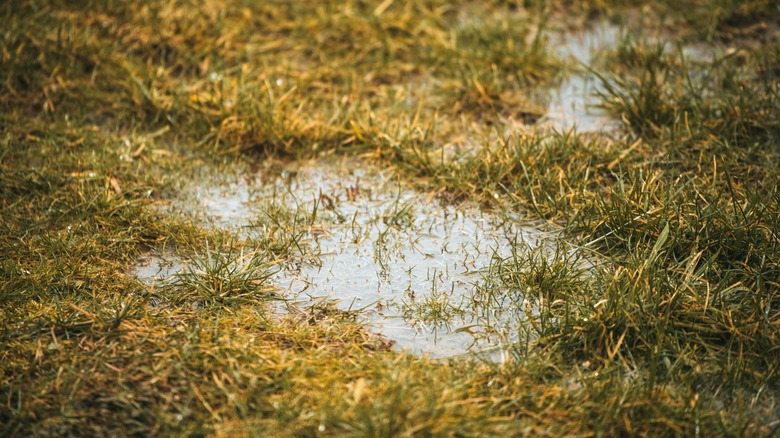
(107, 109)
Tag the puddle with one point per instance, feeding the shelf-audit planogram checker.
(152, 269)
(574, 102)
(409, 263)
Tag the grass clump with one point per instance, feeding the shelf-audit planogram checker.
(727, 104)
(223, 279)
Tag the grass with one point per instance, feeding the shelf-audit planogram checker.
(105, 108)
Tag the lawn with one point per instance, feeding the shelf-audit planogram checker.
(653, 310)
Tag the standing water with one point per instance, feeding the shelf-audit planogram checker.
(410, 263)
(575, 101)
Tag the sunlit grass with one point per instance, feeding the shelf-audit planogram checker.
(656, 314)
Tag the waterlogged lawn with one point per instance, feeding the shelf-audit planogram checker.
(389, 218)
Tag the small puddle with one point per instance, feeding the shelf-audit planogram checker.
(575, 101)
(155, 268)
(409, 263)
